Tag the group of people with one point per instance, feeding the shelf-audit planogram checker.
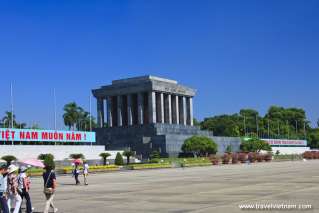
(14, 188)
(76, 172)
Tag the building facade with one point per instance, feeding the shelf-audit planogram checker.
(148, 113)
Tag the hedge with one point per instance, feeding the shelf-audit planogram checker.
(195, 164)
(150, 166)
(106, 168)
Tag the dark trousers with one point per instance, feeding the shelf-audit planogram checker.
(76, 176)
(25, 194)
(4, 204)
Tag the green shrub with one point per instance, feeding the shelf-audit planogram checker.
(49, 162)
(43, 156)
(199, 145)
(119, 159)
(77, 156)
(104, 156)
(155, 160)
(254, 145)
(128, 154)
(155, 155)
(9, 159)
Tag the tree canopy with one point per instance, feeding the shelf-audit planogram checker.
(75, 117)
(199, 145)
(254, 145)
(278, 122)
(10, 119)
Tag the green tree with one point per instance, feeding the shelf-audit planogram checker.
(119, 159)
(44, 156)
(313, 138)
(228, 148)
(7, 121)
(84, 119)
(9, 159)
(104, 156)
(222, 125)
(254, 145)
(75, 117)
(155, 155)
(196, 122)
(199, 145)
(71, 115)
(77, 156)
(318, 123)
(48, 162)
(128, 154)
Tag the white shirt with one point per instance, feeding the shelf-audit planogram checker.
(86, 168)
(21, 177)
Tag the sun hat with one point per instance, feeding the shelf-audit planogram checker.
(12, 168)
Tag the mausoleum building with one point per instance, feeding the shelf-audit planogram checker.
(145, 114)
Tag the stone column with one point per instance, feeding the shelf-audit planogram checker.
(100, 112)
(168, 108)
(184, 111)
(140, 108)
(109, 111)
(152, 107)
(119, 111)
(177, 109)
(191, 116)
(161, 119)
(129, 110)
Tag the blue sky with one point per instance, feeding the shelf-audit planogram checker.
(238, 54)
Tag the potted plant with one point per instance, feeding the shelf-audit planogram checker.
(214, 159)
(252, 157)
(226, 158)
(242, 157)
(268, 157)
(234, 158)
(260, 157)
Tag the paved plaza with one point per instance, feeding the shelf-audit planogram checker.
(201, 189)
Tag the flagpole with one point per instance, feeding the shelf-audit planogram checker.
(11, 96)
(55, 126)
(245, 125)
(268, 129)
(257, 127)
(90, 115)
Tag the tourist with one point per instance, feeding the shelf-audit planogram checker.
(76, 172)
(3, 188)
(85, 172)
(13, 195)
(49, 180)
(24, 187)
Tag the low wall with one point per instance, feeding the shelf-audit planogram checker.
(290, 150)
(60, 152)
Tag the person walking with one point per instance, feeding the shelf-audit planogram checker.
(3, 188)
(13, 195)
(24, 187)
(50, 184)
(85, 172)
(76, 172)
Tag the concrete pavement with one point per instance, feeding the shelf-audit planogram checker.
(200, 189)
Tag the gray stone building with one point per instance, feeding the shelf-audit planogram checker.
(148, 113)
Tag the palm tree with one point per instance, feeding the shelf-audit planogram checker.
(128, 154)
(71, 114)
(104, 156)
(7, 119)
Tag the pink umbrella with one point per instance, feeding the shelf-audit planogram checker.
(77, 161)
(33, 162)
